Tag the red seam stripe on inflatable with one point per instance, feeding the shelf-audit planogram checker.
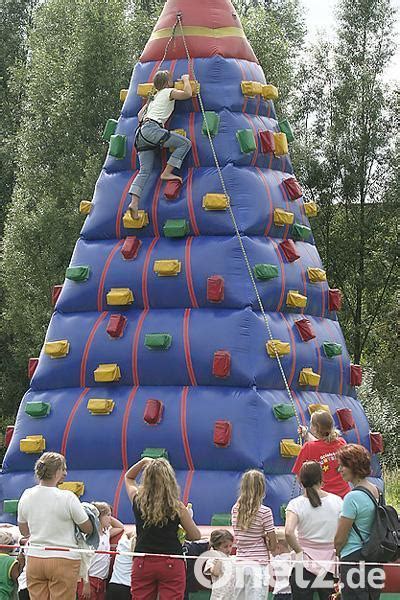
(70, 419)
(195, 101)
(286, 200)
(117, 495)
(271, 206)
(185, 438)
(87, 348)
(189, 191)
(145, 296)
(156, 198)
(135, 346)
(188, 485)
(186, 344)
(303, 276)
(275, 245)
(121, 205)
(188, 269)
(100, 291)
(293, 346)
(322, 287)
(192, 135)
(327, 324)
(316, 343)
(299, 406)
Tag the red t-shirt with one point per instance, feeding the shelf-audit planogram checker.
(326, 454)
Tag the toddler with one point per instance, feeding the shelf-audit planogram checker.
(10, 566)
(281, 567)
(221, 571)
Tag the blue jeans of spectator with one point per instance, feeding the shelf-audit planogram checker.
(364, 592)
(154, 133)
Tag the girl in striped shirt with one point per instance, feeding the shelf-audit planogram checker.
(253, 525)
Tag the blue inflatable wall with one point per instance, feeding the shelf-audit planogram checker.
(217, 412)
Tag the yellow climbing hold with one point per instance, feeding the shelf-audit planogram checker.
(139, 223)
(295, 299)
(283, 217)
(57, 349)
(316, 275)
(195, 85)
(311, 209)
(312, 408)
(145, 89)
(32, 444)
(308, 377)
(107, 372)
(85, 207)
(251, 88)
(215, 202)
(289, 448)
(166, 268)
(100, 406)
(277, 346)
(269, 92)
(281, 144)
(77, 487)
(123, 94)
(119, 296)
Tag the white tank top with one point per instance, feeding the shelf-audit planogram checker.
(161, 108)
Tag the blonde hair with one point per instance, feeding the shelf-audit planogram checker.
(325, 425)
(252, 493)
(103, 507)
(6, 539)
(161, 80)
(158, 493)
(48, 465)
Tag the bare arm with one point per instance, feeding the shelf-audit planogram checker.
(271, 540)
(184, 94)
(290, 526)
(142, 112)
(192, 531)
(24, 529)
(342, 533)
(116, 527)
(18, 567)
(131, 485)
(86, 527)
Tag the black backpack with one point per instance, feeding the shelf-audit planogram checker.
(383, 545)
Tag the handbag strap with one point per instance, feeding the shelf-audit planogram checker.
(360, 488)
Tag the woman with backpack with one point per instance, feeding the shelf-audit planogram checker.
(356, 523)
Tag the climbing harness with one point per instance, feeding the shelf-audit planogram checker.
(148, 145)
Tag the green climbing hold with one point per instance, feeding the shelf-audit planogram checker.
(37, 410)
(286, 128)
(117, 146)
(332, 349)
(301, 232)
(10, 506)
(78, 273)
(282, 512)
(221, 519)
(246, 139)
(283, 411)
(213, 120)
(155, 453)
(265, 271)
(158, 341)
(176, 228)
(109, 129)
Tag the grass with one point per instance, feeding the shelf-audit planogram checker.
(392, 488)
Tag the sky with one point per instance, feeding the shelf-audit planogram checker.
(320, 17)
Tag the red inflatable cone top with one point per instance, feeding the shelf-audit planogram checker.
(210, 27)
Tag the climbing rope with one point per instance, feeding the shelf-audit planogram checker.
(239, 237)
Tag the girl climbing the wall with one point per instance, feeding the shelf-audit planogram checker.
(253, 525)
(151, 134)
(158, 513)
(323, 446)
(95, 588)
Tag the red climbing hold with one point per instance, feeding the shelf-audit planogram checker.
(215, 288)
(32, 364)
(116, 326)
(222, 433)
(355, 375)
(172, 189)
(8, 435)
(153, 411)
(221, 363)
(293, 188)
(267, 140)
(346, 419)
(288, 248)
(305, 329)
(55, 292)
(335, 299)
(130, 247)
(376, 442)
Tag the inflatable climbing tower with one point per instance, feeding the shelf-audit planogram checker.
(159, 344)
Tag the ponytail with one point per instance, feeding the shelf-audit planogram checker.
(325, 426)
(310, 476)
(313, 497)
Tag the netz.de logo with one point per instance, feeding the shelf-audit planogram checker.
(237, 574)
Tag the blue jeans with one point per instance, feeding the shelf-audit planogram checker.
(153, 133)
